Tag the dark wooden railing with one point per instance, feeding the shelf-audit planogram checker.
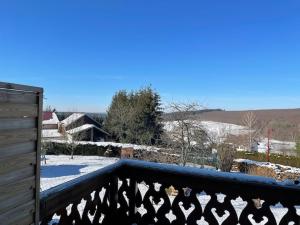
(144, 193)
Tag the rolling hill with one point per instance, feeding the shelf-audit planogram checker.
(285, 123)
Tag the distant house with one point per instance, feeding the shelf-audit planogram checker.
(86, 127)
(50, 120)
(50, 126)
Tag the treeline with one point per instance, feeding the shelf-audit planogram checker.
(135, 117)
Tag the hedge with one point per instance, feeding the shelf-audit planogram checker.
(274, 158)
(58, 148)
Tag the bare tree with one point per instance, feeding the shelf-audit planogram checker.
(185, 136)
(72, 137)
(256, 128)
(45, 146)
(250, 121)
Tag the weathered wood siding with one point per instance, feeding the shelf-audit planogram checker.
(20, 135)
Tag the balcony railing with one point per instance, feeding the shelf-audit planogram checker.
(144, 193)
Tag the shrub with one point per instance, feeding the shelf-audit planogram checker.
(261, 171)
(226, 155)
(274, 158)
(60, 148)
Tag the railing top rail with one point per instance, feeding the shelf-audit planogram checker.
(231, 184)
(205, 173)
(141, 166)
(19, 87)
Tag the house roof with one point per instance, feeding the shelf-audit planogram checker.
(47, 115)
(85, 127)
(72, 118)
(50, 118)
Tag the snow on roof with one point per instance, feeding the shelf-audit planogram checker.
(85, 127)
(72, 118)
(50, 118)
(80, 128)
(51, 133)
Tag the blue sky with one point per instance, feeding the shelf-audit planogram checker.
(225, 54)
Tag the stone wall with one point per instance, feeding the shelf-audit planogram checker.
(275, 171)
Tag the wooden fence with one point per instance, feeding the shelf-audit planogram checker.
(20, 136)
(143, 193)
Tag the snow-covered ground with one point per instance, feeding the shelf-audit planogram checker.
(60, 168)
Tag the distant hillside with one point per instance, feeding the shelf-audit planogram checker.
(284, 122)
(169, 116)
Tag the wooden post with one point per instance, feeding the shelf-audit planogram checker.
(38, 155)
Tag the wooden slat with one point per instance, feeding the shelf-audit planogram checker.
(17, 199)
(19, 123)
(10, 110)
(9, 190)
(15, 175)
(15, 162)
(22, 215)
(20, 87)
(24, 220)
(15, 149)
(17, 136)
(8, 96)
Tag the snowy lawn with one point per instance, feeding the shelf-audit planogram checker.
(60, 168)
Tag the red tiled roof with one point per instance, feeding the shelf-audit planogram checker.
(47, 115)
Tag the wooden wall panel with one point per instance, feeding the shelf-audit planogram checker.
(16, 162)
(11, 110)
(17, 148)
(20, 123)
(17, 136)
(20, 136)
(7, 96)
(23, 214)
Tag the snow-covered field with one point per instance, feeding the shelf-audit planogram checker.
(60, 169)
(277, 146)
(218, 131)
(215, 129)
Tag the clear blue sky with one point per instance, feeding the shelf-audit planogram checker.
(229, 54)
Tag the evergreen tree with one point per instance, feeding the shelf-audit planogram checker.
(117, 116)
(135, 117)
